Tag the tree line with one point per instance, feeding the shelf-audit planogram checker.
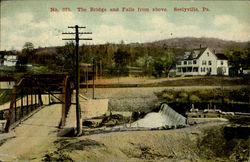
(111, 59)
(117, 59)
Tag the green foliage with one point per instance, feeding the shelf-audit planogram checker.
(5, 96)
(158, 67)
(240, 95)
(28, 52)
(121, 58)
(37, 69)
(65, 58)
(110, 58)
(28, 47)
(194, 99)
(168, 96)
(238, 58)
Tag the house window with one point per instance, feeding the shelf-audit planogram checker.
(179, 69)
(207, 53)
(194, 62)
(209, 70)
(178, 62)
(185, 62)
(203, 69)
(204, 62)
(221, 62)
(186, 56)
(195, 69)
(189, 62)
(209, 62)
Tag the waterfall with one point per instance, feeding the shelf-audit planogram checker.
(165, 118)
(172, 117)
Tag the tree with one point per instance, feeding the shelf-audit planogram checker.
(65, 57)
(28, 47)
(163, 62)
(28, 51)
(238, 58)
(158, 67)
(121, 58)
(25, 57)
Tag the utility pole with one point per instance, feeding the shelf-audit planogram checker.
(93, 92)
(77, 77)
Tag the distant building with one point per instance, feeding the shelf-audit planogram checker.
(7, 82)
(202, 61)
(10, 60)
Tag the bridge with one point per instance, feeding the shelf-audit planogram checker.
(30, 93)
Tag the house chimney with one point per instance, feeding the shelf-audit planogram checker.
(200, 46)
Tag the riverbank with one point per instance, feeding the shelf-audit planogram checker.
(202, 142)
(122, 82)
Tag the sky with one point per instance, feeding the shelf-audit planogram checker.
(37, 21)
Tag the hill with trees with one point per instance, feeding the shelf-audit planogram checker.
(150, 59)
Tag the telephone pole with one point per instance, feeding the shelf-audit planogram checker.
(77, 77)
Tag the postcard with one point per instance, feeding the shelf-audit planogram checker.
(124, 80)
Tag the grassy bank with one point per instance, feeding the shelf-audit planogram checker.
(216, 95)
(5, 96)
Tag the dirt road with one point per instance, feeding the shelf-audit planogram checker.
(33, 137)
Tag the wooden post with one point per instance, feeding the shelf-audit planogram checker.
(40, 99)
(22, 102)
(8, 123)
(93, 92)
(35, 101)
(15, 109)
(87, 77)
(49, 98)
(27, 104)
(100, 73)
(96, 71)
(31, 99)
(63, 119)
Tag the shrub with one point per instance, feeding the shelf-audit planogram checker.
(194, 99)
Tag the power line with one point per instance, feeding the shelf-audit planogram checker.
(77, 78)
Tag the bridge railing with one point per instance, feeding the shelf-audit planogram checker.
(27, 97)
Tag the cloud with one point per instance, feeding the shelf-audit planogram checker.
(114, 34)
(114, 28)
(231, 28)
(24, 18)
(225, 20)
(43, 33)
(111, 18)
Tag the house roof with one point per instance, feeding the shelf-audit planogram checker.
(221, 56)
(198, 52)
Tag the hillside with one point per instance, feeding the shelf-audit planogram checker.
(186, 42)
(191, 43)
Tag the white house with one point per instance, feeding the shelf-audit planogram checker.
(7, 83)
(10, 60)
(202, 61)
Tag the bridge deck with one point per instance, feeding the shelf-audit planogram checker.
(33, 136)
